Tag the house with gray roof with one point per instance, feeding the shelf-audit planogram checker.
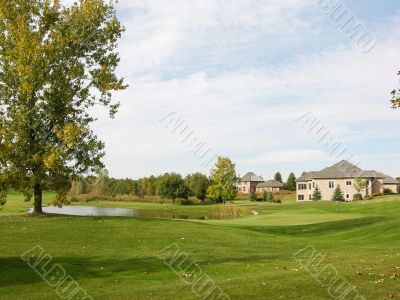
(343, 174)
(252, 182)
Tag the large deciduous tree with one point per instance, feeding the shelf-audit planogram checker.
(56, 62)
(223, 178)
(172, 186)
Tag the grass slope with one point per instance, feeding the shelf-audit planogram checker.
(249, 258)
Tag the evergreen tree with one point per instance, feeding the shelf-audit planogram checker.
(291, 182)
(278, 177)
(253, 195)
(338, 194)
(317, 194)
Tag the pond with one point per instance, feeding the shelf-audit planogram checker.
(116, 212)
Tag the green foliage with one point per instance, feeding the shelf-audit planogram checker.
(357, 197)
(270, 197)
(253, 195)
(388, 192)
(172, 186)
(396, 97)
(338, 195)
(223, 178)
(197, 184)
(56, 63)
(278, 177)
(316, 196)
(291, 182)
(360, 184)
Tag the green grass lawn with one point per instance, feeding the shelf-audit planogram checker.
(248, 258)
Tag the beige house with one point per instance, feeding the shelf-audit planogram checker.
(252, 182)
(343, 174)
(269, 186)
(248, 183)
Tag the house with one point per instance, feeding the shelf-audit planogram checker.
(269, 186)
(343, 174)
(252, 182)
(248, 183)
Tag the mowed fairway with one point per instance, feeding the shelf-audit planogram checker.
(248, 258)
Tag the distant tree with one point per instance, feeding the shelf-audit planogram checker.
(101, 184)
(197, 184)
(278, 177)
(338, 195)
(253, 195)
(316, 196)
(396, 96)
(360, 184)
(172, 186)
(265, 196)
(223, 178)
(291, 182)
(303, 173)
(56, 63)
(270, 197)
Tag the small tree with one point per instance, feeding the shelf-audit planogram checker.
(291, 182)
(270, 197)
(265, 196)
(338, 195)
(360, 184)
(223, 178)
(253, 195)
(278, 177)
(316, 196)
(172, 186)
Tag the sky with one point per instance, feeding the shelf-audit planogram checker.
(240, 73)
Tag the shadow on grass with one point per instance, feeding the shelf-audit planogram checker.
(319, 228)
(17, 272)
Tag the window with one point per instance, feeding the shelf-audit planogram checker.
(309, 197)
(309, 186)
(331, 184)
(347, 196)
(300, 197)
(313, 184)
(244, 189)
(348, 182)
(302, 186)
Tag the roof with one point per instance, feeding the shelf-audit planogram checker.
(390, 180)
(270, 183)
(250, 176)
(343, 169)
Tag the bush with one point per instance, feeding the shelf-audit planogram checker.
(253, 196)
(228, 212)
(357, 197)
(368, 198)
(377, 195)
(387, 192)
(276, 201)
(183, 201)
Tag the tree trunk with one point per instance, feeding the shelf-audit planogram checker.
(38, 198)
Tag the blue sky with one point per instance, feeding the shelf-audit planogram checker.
(240, 73)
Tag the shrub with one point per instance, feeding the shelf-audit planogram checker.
(228, 212)
(183, 201)
(316, 196)
(377, 195)
(357, 197)
(387, 192)
(276, 201)
(253, 196)
(368, 198)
